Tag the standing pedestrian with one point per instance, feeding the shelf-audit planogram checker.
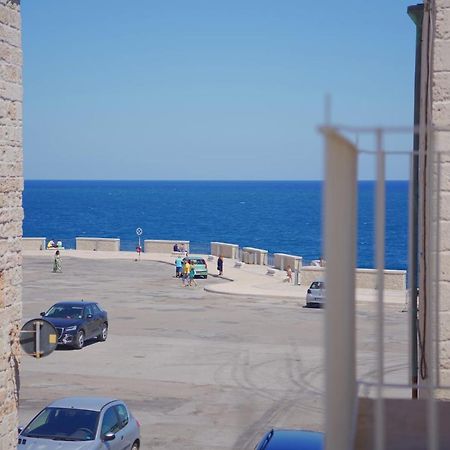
(289, 274)
(57, 266)
(178, 266)
(186, 270)
(220, 265)
(192, 275)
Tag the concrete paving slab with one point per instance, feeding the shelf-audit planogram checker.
(200, 370)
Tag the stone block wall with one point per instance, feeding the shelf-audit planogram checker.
(252, 255)
(281, 261)
(34, 244)
(163, 245)
(98, 244)
(224, 249)
(364, 278)
(440, 106)
(11, 215)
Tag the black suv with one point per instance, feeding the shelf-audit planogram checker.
(77, 322)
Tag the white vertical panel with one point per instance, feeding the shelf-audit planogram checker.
(380, 220)
(340, 253)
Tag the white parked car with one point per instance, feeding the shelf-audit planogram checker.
(316, 295)
(82, 423)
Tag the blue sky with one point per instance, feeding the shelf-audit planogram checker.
(208, 89)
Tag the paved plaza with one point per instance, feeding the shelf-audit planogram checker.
(199, 369)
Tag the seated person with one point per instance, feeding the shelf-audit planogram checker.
(59, 244)
(51, 244)
(176, 248)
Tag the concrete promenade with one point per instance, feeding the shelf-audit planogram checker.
(201, 369)
(247, 280)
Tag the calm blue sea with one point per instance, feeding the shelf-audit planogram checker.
(280, 216)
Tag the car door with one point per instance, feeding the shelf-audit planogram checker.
(110, 424)
(98, 315)
(89, 321)
(128, 433)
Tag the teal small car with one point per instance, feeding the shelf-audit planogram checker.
(201, 268)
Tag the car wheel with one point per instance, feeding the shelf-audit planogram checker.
(79, 340)
(205, 277)
(104, 334)
(135, 446)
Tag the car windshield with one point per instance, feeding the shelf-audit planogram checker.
(64, 424)
(318, 285)
(197, 261)
(65, 312)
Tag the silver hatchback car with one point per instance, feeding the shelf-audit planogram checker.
(316, 295)
(82, 423)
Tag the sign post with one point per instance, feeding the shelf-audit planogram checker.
(139, 248)
(38, 338)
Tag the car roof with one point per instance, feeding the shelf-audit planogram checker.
(74, 303)
(89, 403)
(280, 439)
(194, 257)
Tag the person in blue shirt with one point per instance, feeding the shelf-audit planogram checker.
(178, 266)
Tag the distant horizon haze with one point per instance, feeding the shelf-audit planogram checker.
(202, 180)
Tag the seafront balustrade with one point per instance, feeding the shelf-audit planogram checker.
(98, 244)
(225, 250)
(304, 273)
(165, 245)
(30, 243)
(281, 261)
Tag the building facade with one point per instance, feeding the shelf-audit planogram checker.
(440, 116)
(11, 215)
(434, 198)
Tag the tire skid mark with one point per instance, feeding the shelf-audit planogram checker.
(293, 399)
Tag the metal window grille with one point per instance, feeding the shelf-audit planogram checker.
(345, 397)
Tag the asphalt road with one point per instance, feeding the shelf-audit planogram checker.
(199, 370)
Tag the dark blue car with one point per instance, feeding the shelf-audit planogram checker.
(292, 440)
(77, 322)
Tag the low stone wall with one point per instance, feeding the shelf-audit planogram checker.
(226, 250)
(393, 279)
(308, 274)
(252, 255)
(282, 260)
(162, 245)
(29, 243)
(365, 278)
(98, 244)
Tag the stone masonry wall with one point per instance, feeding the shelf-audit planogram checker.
(11, 215)
(440, 105)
